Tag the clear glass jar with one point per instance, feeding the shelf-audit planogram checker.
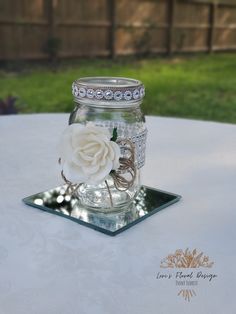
(111, 102)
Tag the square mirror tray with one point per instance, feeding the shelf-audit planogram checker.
(148, 202)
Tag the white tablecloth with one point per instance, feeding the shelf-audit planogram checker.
(52, 265)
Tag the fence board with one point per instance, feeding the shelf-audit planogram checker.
(114, 27)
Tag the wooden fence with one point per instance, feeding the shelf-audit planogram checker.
(114, 27)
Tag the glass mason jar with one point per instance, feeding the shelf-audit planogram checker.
(112, 103)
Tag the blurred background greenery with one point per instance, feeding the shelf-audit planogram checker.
(199, 87)
(184, 51)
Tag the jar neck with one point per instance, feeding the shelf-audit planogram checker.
(108, 104)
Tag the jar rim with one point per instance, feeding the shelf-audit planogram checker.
(108, 81)
(108, 89)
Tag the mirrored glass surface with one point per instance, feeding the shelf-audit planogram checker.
(57, 201)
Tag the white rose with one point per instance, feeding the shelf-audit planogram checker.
(87, 153)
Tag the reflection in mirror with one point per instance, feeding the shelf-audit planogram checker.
(146, 203)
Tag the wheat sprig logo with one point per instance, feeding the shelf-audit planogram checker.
(187, 294)
(186, 259)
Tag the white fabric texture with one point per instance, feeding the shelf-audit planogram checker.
(53, 265)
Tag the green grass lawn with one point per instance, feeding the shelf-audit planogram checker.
(200, 87)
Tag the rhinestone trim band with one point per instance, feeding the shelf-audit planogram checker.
(109, 93)
(139, 141)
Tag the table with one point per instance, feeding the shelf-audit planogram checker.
(55, 266)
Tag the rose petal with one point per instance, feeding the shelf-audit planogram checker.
(91, 169)
(78, 159)
(85, 157)
(88, 154)
(97, 129)
(90, 148)
(101, 173)
(74, 173)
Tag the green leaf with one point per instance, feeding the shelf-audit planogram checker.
(114, 135)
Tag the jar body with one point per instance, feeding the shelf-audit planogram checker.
(130, 124)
